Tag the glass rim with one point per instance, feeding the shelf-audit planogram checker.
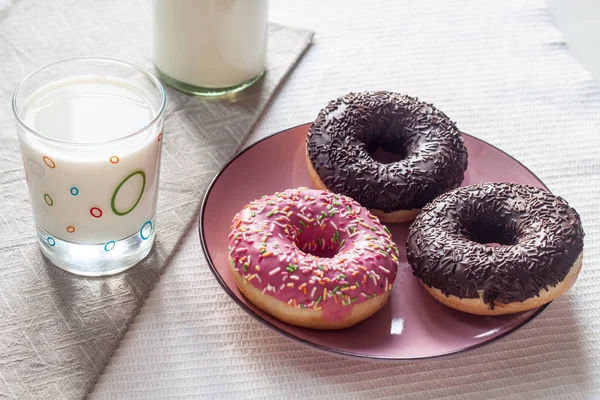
(155, 118)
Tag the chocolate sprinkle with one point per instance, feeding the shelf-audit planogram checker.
(538, 237)
(348, 130)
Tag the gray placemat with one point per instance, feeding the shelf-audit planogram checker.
(58, 330)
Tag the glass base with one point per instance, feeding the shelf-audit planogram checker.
(202, 91)
(98, 259)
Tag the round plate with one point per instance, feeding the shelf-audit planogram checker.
(412, 325)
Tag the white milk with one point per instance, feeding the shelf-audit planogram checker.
(210, 43)
(87, 192)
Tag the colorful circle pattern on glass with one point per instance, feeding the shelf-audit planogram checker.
(37, 169)
(116, 193)
(49, 162)
(146, 230)
(109, 246)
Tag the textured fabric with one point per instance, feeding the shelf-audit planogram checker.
(502, 71)
(58, 330)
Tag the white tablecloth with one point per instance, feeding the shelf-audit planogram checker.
(502, 71)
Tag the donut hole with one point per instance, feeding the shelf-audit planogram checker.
(322, 253)
(493, 235)
(322, 243)
(387, 155)
(392, 144)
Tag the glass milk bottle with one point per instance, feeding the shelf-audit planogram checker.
(210, 47)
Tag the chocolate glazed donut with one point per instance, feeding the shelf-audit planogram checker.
(535, 256)
(346, 132)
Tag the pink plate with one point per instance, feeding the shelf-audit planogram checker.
(412, 325)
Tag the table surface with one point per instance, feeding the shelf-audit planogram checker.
(579, 22)
(182, 344)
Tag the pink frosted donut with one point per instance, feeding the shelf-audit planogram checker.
(312, 258)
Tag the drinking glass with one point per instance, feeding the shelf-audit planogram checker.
(90, 135)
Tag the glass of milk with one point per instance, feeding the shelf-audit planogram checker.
(210, 47)
(90, 133)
